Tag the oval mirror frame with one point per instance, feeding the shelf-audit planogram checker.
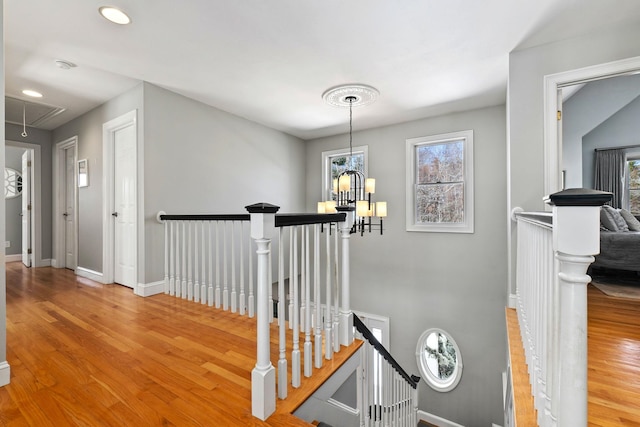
(439, 360)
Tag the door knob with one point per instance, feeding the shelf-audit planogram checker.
(114, 214)
(65, 214)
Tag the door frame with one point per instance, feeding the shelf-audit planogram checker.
(108, 194)
(59, 178)
(36, 206)
(552, 104)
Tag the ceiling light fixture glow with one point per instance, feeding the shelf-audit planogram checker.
(32, 93)
(114, 15)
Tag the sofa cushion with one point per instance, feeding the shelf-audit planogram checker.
(612, 219)
(632, 221)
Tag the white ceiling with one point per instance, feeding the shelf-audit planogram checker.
(270, 60)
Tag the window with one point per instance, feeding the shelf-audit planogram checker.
(440, 183)
(337, 161)
(439, 360)
(633, 185)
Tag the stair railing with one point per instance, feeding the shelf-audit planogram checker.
(554, 251)
(210, 259)
(387, 394)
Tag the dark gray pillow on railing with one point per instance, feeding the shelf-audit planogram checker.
(612, 220)
(632, 221)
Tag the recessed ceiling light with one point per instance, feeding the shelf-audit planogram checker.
(114, 15)
(32, 93)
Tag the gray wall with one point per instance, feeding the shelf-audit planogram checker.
(88, 129)
(619, 130)
(199, 159)
(13, 160)
(527, 69)
(583, 112)
(419, 280)
(41, 138)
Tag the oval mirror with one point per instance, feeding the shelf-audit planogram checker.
(439, 360)
(12, 183)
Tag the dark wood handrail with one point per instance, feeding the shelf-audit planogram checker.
(368, 335)
(282, 220)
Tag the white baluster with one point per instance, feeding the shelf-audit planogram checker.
(242, 302)
(328, 322)
(251, 301)
(183, 290)
(225, 290)
(190, 262)
(303, 280)
(308, 368)
(172, 257)
(203, 288)
(210, 294)
(166, 257)
(196, 269)
(291, 258)
(295, 317)
(218, 296)
(336, 280)
(282, 361)
(316, 296)
(234, 305)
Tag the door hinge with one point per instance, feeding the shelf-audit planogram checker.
(28, 163)
(29, 251)
(559, 115)
(29, 207)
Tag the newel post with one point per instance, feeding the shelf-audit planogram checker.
(346, 320)
(263, 376)
(576, 238)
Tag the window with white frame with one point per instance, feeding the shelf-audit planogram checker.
(337, 161)
(440, 183)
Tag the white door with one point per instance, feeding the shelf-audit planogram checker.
(26, 208)
(70, 209)
(125, 212)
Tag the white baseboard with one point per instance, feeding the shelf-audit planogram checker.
(54, 263)
(148, 289)
(13, 258)
(436, 420)
(513, 301)
(90, 274)
(5, 373)
(44, 263)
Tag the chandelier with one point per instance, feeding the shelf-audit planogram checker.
(351, 191)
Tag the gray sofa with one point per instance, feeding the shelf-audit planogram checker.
(619, 240)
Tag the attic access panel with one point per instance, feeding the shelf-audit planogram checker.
(35, 113)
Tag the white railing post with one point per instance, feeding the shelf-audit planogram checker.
(576, 238)
(263, 376)
(346, 320)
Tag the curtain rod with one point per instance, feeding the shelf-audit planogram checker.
(617, 148)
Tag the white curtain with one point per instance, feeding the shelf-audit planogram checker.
(609, 174)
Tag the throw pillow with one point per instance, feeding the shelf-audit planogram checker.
(632, 222)
(612, 219)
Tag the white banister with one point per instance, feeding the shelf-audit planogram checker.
(263, 381)
(554, 251)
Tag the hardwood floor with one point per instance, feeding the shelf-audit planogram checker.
(613, 362)
(87, 354)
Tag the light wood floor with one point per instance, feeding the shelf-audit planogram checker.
(613, 362)
(86, 354)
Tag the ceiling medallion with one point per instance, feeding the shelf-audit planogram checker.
(350, 95)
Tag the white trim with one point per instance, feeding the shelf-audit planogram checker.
(512, 301)
(343, 407)
(13, 258)
(59, 178)
(149, 289)
(326, 169)
(553, 82)
(434, 419)
(108, 130)
(5, 373)
(411, 144)
(45, 262)
(36, 199)
(90, 274)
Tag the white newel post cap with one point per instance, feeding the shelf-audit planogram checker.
(349, 211)
(576, 220)
(263, 221)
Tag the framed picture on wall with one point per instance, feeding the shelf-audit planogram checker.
(83, 173)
